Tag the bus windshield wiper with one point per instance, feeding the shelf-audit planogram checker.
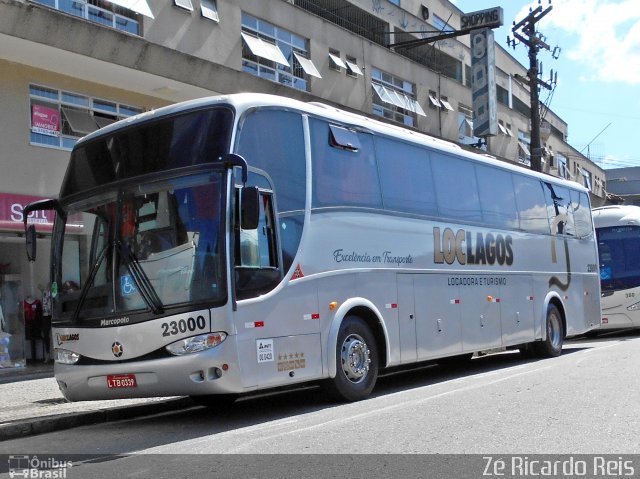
(87, 285)
(147, 291)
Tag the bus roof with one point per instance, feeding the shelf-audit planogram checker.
(616, 215)
(242, 102)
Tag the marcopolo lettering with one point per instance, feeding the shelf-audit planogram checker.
(465, 247)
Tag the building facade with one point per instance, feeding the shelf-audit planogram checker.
(71, 66)
(624, 185)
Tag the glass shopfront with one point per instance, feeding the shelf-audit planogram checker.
(24, 305)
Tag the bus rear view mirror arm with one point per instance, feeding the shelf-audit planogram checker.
(236, 160)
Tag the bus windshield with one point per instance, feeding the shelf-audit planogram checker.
(619, 250)
(148, 247)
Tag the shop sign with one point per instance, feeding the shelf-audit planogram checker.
(483, 83)
(12, 218)
(45, 120)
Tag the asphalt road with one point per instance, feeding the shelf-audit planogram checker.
(583, 402)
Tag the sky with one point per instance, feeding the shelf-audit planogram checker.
(598, 89)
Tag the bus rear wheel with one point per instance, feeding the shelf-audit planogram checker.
(356, 360)
(551, 346)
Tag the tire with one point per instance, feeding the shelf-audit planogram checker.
(215, 401)
(357, 362)
(551, 347)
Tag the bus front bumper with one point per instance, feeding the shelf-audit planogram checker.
(207, 372)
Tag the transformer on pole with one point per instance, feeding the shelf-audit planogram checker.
(525, 32)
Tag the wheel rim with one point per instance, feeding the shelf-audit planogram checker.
(355, 358)
(554, 330)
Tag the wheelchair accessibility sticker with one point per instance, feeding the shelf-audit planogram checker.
(127, 285)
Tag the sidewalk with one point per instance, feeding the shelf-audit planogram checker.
(32, 404)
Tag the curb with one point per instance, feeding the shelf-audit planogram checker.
(42, 425)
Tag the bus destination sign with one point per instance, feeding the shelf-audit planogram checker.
(490, 18)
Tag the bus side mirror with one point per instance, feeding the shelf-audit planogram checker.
(30, 236)
(249, 208)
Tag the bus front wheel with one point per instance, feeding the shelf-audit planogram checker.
(357, 361)
(551, 346)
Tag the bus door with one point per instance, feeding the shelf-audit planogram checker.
(278, 334)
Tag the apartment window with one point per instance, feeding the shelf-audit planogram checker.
(502, 95)
(507, 127)
(465, 128)
(524, 148)
(433, 100)
(395, 2)
(276, 54)
(209, 9)
(335, 62)
(502, 128)
(446, 106)
(106, 13)
(586, 176)
(60, 118)
(563, 170)
(395, 98)
(352, 67)
(186, 4)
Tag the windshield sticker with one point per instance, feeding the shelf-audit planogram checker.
(127, 285)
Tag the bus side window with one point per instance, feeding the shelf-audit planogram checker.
(257, 268)
(559, 210)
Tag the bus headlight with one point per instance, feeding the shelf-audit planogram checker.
(64, 356)
(634, 307)
(196, 343)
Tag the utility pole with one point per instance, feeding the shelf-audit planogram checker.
(525, 32)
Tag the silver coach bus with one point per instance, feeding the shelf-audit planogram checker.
(244, 242)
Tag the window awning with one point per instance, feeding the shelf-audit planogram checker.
(102, 121)
(446, 104)
(337, 61)
(186, 4)
(138, 6)
(81, 122)
(398, 99)
(353, 68)
(209, 10)
(307, 65)
(525, 148)
(263, 49)
(383, 94)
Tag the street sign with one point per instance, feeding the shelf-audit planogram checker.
(490, 18)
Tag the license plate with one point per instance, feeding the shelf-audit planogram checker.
(121, 381)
